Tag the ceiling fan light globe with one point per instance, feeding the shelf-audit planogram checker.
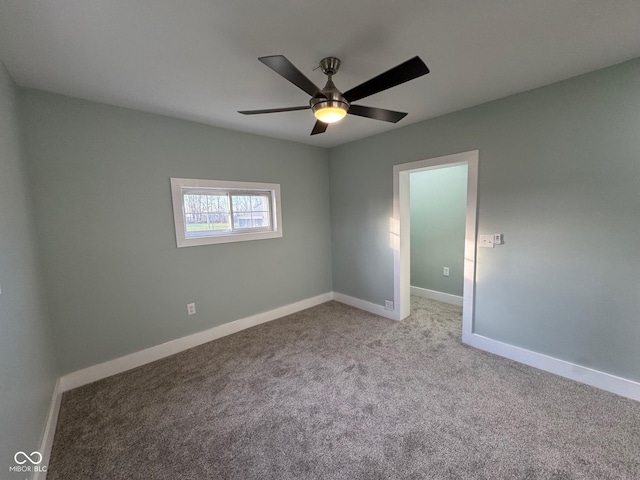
(330, 114)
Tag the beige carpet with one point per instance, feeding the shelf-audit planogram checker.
(336, 393)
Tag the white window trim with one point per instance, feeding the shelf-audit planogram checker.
(178, 211)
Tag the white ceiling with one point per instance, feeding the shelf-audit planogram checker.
(197, 59)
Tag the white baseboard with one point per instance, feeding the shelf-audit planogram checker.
(142, 357)
(595, 378)
(366, 306)
(435, 295)
(49, 430)
(611, 383)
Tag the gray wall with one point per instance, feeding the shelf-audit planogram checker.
(559, 176)
(116, 281)
(28, 368)
(438, 204)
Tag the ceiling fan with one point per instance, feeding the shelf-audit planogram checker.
(329, 104)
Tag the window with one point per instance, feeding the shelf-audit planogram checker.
(218, 211)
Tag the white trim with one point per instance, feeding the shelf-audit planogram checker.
(49, 430)
(401, 257)
(142, 357)
(470, 235)
(366, 306)
(435, 295)
(400, 231)
(595, 378)
(605, 381)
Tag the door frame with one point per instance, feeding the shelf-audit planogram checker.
(401, 230)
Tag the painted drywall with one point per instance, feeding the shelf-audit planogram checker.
(116, 281)
(28, 368)
(559, 170)
(438, 201)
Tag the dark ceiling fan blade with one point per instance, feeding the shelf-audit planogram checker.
(319, 127)
(273, 110)
(377, 113)
(283, 67)
(404, 72)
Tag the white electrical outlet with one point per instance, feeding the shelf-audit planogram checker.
(485, 241)
(497, 239)
(388, 305)
(445, 271)
(191, 309)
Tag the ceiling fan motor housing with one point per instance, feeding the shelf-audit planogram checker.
(330, 96)
(332, 99)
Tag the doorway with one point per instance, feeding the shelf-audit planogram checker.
(401, 230)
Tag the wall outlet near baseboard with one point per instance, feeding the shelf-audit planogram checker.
(191, 309)
(445, 271)
(388, 305)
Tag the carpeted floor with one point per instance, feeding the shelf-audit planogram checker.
(336, 393)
